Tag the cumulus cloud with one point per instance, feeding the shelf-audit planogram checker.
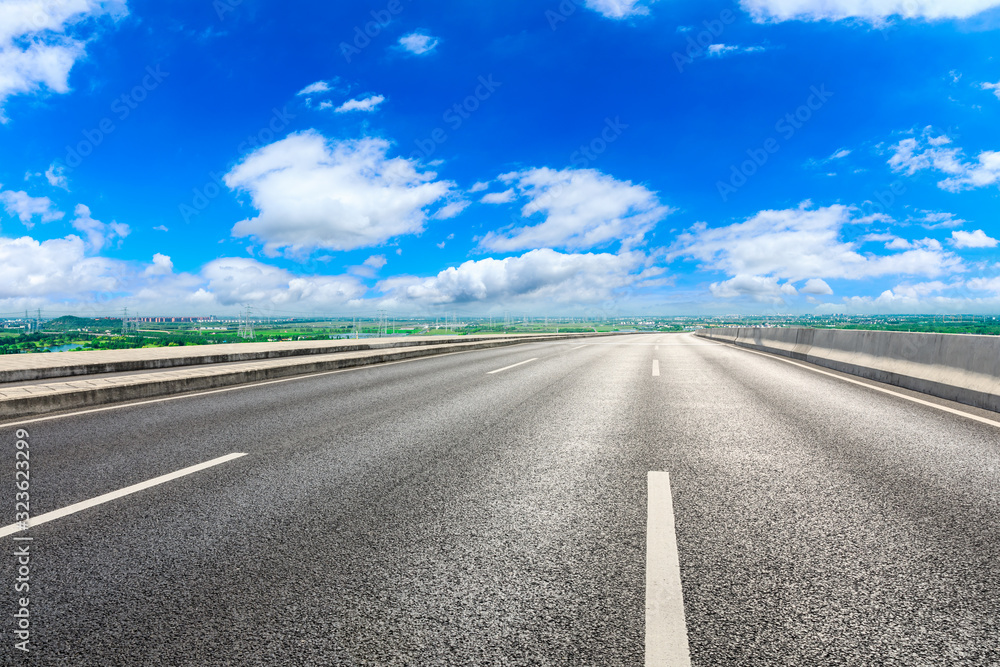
(870, 10)
(54, 270)
(897, 243)
(985, 284)
(232, 281)
(995, 87)
(542, 276)
(914, 290)
(312, 192)
(65, 271)
(935, 153)
(759, 288)
(816, 286)
(162, 265)
(25, 207)
(975, 239)
(41, 40)
(98, 233)
(957, 296)
(418, 43)
(775, 248)
(619, 9)
(582, 208)
(363, 104)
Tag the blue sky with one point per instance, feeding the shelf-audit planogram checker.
(587, 157)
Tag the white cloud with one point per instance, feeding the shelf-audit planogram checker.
(25, 207)
(910, 155)
(504, 197)
(816, 286)
(541, 277)
(877, 237)
(981, 174)
(801, 244)
(938, 220)
(365, 104)
(63, 273)
(842, 153)
(760, 288)
(56, 176)
(995, 87)
(926, 297)
(897, 243)
(975, 239)
(583, 208)
(450, 210)
(479, 186)
(162, 265)
(916, 290)
(98, 233)
(985, 284)
(317, 193)
(719, 50)
(161, 228)
(40, 41)
(53, 270)
(236, 280)
(370, 267)
(419, 43)
(313, 88)
(871, 10)
(619, 9)
(722, 50)
(928, 152)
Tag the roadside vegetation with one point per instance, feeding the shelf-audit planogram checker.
(79, 333)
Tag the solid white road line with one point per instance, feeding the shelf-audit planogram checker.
(656, 368)
(577, 348)
(114, 495)
(666, 629)
(513, 365)
(809, 367)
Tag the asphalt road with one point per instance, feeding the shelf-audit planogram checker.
(432, 513)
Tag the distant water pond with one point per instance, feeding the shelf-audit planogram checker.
(64, 348)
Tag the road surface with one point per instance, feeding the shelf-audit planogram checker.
(490, 508)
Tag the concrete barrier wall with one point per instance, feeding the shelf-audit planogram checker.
(952, 366)
(18, 402)
(28, 367)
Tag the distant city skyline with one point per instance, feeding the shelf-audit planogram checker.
(586, 158)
